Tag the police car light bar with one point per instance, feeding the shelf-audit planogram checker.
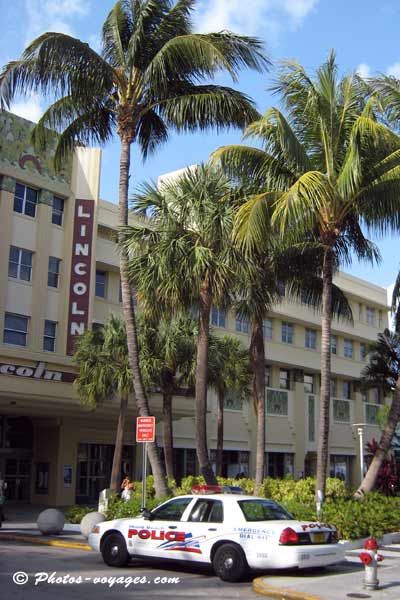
(217, 489)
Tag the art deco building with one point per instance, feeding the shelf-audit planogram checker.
(59, 275)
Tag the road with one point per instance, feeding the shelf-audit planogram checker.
(83, 573)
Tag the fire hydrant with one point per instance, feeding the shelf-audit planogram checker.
(370, 558)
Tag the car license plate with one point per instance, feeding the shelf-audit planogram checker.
(318, 538)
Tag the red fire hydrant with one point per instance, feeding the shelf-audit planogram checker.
(370, 558)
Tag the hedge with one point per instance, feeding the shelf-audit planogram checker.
(375, 515)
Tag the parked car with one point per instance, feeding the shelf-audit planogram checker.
(232, 532)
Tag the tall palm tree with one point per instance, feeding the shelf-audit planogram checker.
(228, 371)
(104, 371)
(185, 257)
(383, 371)
(327, 167)
(167, 352)
(149, 78)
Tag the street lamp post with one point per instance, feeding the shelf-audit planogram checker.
(360, 431)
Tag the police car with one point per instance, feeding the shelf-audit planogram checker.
(232, 532)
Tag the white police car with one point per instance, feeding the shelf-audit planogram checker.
(232, 532)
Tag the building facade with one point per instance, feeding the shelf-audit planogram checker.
(59, 275)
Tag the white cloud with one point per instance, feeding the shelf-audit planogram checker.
(53, 15)
(394, 70)
(29, 108)
(266, 17)
(364, 70)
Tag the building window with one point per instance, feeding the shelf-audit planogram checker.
(287, 332)
(218, 317)
(233, 400)
(25, 200)
(277, 402)
(57, 211)
(309, 384)
(333, 388)
(360, 312)
(281, 289)
(346, 389)
(311, 339)
(311, 419)
(363, 351)
(20, 263)
(267, 329)
(370, 315)
(333, 344)
(242, 325)
(348, 348)
(375, 395)
(15, 329)
(284, 379)
(101, 280)
(53, 274)
(49, 338)
(340, 467)
(267, 376)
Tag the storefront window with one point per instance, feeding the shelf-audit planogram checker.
(340, 467)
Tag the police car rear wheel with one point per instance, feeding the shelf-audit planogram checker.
(229, 562)
(114, 551)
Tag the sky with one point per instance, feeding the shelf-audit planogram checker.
(363, 33)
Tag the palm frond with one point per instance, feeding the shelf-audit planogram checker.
(59, 65)
(208, 106)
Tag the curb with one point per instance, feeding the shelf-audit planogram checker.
(280, 593)
(33, 539)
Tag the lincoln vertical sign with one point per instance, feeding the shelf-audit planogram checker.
(79, 293)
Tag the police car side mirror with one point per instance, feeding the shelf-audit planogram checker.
(147, 514)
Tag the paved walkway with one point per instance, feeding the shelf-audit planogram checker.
(341, 581)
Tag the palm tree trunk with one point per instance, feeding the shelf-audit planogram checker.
(325, 392)
(167, 434)
(220, 430)
(201, 385)
(160, 483)
(257, 351)
(368, 483)
(119, 440)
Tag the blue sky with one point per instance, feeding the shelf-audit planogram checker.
(363, 33)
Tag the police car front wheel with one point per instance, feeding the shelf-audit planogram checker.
(114, 551)
(229, 562)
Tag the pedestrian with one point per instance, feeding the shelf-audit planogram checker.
(127, 487)
(3, 486)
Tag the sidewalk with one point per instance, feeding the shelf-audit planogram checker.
(338, 582)
(20, 525)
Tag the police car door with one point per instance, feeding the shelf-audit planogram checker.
(202, 528)
(164, 529)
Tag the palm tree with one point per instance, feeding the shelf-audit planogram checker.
(228, 371)
(167, 352)
(149, 78)
(259, 290)
(185, 258)
(383, 371)
(104, 371)
(327, 167)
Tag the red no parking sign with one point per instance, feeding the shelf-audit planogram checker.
(145, 429)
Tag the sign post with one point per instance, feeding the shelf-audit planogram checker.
(145, 432)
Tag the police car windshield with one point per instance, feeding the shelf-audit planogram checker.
(263, 510)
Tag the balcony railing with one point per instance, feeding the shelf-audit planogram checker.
(341, 410)
(277, 402)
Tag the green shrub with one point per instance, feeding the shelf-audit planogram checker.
(74, 514)
(376, 515)
(120, 509)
